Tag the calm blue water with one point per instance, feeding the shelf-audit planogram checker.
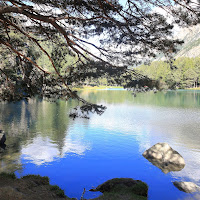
(81, 153)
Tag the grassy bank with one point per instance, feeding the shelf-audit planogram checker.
(30, 187)
(101, 87)
(198, 88)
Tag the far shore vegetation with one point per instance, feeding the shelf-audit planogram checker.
(182, 73)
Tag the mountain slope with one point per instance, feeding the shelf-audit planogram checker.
(191, 38)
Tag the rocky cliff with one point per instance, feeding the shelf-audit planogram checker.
(191, 38)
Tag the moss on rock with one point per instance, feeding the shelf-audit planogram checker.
(35, 187)
(123, 188)
(58, 191)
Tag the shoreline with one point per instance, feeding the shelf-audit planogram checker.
(198, 88)
(33, 187)
(98, 87)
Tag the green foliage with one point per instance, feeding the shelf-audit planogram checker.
(8, 175)
(62, 57)
(140, 189)
(183, 72)
(123, 188)
(62, 31)
(50, 45)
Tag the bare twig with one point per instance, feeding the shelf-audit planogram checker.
(84, 190)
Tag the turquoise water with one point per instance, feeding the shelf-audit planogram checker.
(81, 153)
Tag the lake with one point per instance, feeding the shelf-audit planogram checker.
(82, 153)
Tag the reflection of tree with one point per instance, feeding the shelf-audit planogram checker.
(9, 158)
(53, 121)
(16, 118)
(107, 96)
(23, 121)
(167, 99)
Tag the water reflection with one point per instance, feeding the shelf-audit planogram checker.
(89, 152)
(179, 98)
(42, 150)
(37, 130)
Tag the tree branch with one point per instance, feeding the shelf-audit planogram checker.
(19, 54)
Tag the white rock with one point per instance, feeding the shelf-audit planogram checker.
(188, 187)
(164, 157)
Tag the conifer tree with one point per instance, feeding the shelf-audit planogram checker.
(127, 34)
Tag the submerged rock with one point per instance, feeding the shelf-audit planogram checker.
(2, 137)
(164, 157)
(123, 188)
(187, 187)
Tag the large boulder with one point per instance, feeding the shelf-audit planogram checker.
(187, 187)
(123, 188)
(164, 157)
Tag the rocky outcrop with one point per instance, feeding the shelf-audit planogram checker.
(164, 157)
(191, 37)
(187, 187)
(122, 188)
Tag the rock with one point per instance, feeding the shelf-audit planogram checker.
(123, 188)
(2, 147)
(187, 187)
(164, 157)
(2, 138)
